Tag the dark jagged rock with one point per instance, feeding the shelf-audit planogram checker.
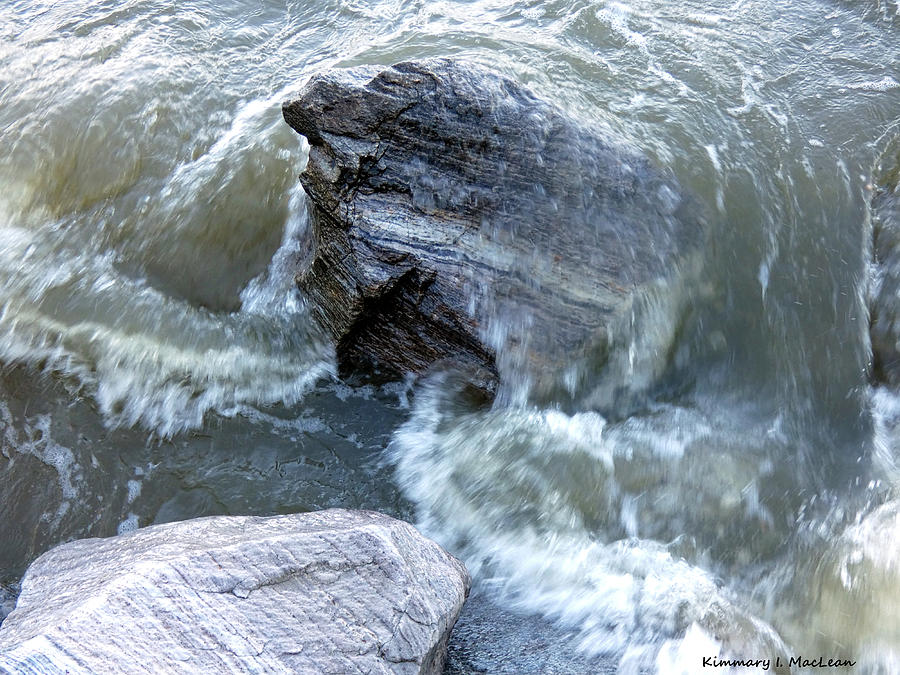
(459, 216)
(885, 301)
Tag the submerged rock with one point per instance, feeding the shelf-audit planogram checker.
(459, 216)
(328, 592)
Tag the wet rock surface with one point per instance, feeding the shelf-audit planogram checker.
(459, 216)
(327, 592)
(885, 301)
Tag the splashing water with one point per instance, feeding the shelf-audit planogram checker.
(723, 482)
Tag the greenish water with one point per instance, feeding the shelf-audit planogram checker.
(159, 363)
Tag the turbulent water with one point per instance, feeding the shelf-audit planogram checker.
(159, 362)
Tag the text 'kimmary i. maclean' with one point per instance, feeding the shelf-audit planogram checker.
(765, 664)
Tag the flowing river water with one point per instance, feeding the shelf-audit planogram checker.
(159, 363)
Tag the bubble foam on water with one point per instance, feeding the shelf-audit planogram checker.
(884, 84)
(130, 524)
(35, 439)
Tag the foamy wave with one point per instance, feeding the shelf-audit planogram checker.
(549, 509)
(146, 318)
(150, 359)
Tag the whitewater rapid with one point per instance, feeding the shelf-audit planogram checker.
(159, 362)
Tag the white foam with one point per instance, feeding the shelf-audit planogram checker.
(134, 490)
(682, 656)
(36, 439)
(533, 500)
(616, 15)
(152, 360)
(292, 426)
(275, 292)
(130, 524)
(886, 83)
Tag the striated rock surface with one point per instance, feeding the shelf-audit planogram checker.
(459, 216)
(327, 592)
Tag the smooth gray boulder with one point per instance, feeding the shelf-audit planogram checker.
(327, 592)
(457, 215)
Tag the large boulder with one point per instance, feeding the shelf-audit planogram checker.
(327, 592)
(457, 215)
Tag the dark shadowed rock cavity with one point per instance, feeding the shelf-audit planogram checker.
(885, 301)
(458, 216)
(328, 592)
